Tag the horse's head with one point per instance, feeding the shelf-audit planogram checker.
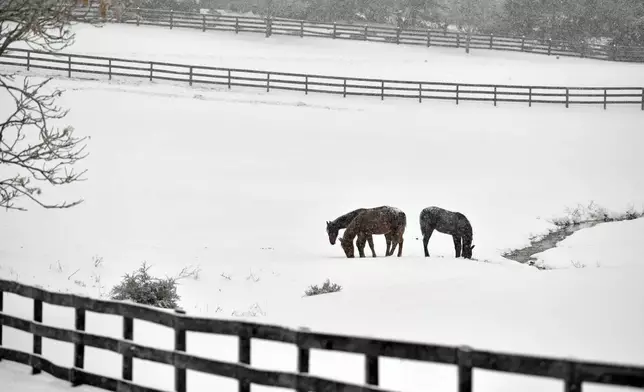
(332, 231)
(467, 251)
(347, 246)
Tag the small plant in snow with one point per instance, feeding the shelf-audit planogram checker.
(631, 213)
(56, 267)
(577, 264)
(80, 283)
(145, 289)
(97, 260)
(253, 311)
(326, 288)
(189, 272)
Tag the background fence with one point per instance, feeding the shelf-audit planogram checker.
(424, 37)
(573, 373)
(72, 64)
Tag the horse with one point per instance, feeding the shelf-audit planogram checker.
(334, 226)
(447, 222)
(380, 220)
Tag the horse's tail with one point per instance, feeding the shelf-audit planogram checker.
(424, 221)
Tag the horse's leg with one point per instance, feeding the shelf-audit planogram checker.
(360, 244)
(394, 242)
(400, 242)
(388, 241)
(370, 240)
(457, 245)
(426, 237)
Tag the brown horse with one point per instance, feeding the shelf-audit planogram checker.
(333, 227)
(379, 220)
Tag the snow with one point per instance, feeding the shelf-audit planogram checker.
(609, 245)
(240, 183)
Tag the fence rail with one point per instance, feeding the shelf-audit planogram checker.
(388, 34)
(573, 373)
(74, 64)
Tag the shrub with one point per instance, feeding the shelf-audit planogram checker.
(145, 289)
(326, 288)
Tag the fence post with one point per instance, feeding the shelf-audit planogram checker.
(549, 46)
(306, 85)
(303, 358)
(229, 80)
(429, 37)
(614, 53)
(457, 94)
(268, 82)
(382, 90)
(69, 66)
(190, 76)
(171, 19)
(1, 310)
(128, 334)
(398, 31)
(572, 383)
(28, 60)
(37, 339)
(494, 95)
(606, 98)
(467, 42)
(491, 40)
(530, 97)
(79, 349)
(236, 25)
(301, 29)
(643, 99)
(138, 16)
(464, 369)
(344, 94)
(151, 70)
(583, 50)
(371, 369)
(523, 43)
(420, 92)
(244, 357)
(267, 22)
(366, 33)
(109, 68)
(567, 97)
(203, 26)
(179, 345)
(458, 40)
(335, 28)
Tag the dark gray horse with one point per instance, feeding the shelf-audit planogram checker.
(447, 222)
(380, 220)
(334, 226)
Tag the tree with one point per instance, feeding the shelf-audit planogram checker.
(32, 150)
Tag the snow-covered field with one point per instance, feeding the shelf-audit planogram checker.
(241, 184)
(349, 58)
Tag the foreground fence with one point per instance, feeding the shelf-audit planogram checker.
(73, 64)
(573, 373)
(389, 34)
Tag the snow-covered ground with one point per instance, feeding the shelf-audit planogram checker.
(349, 58)
(241, 184)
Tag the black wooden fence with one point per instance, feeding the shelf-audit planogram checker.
(73, 64)
(381, 33)
(573, 373)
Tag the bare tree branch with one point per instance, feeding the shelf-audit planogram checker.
(30, 144)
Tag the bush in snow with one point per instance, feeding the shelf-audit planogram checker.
(145, 289)
(326, 288)
(593, 213)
